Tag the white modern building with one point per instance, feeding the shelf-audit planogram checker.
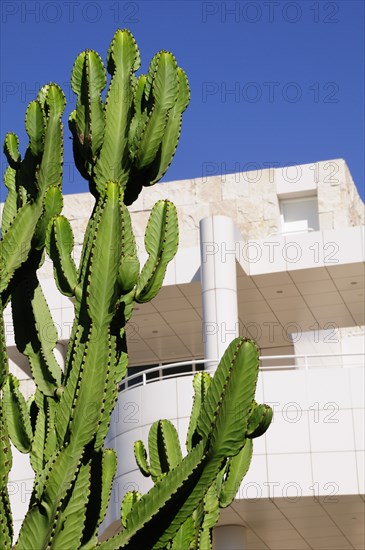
(276, 255)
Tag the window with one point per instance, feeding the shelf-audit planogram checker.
(299, 215)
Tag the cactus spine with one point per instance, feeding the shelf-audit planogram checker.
(120, 145)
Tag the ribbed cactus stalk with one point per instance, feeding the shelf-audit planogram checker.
(224, 420)
(120, 145)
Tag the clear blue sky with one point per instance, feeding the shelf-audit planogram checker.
(295, 70)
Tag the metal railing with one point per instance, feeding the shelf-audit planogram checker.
(284, 362)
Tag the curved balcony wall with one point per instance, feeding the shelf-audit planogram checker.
(315, 445)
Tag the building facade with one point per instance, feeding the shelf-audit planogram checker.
(275, 255)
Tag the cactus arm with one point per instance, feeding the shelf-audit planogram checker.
(41, 480)
(103, 467)
(96, 77)
(17, 416)
(52, 206)
(37, 337)
(50, 445)
(59, 243)
(237, 468)
(87, 82)
(45, 447)
(209, 520)
(164, 90)
(208, 473)
(140, 455)
(259, 421)
(185, 536)
(89, 398)
(164, 448)
(101, 299)
(16, 243)
(27, 216)
(155, 452)
(140, 116)
(119, 344)
(105, 258)
(69, 395)
(172, 131)
(238, 385)
(38, 442)
(27, 189)
(126, 304)
(77, 340)
(10, 206)
(171, 444)
(110, 398)
(4, 363)
(108, 469)
(71, 520)
(35, 125)
(11, 149)
(6, 526)
(38, 526)
(201, 382)
(232, 417)
(122, 364)
(84, 167)
(145, 511)
(128, 501)
(6, 523)
(45, 327)
(113, 163)
(87, 122)
(36, 128)
(129, 265)
(50, 172)
(139, 95)
(88, 241)
(161, 243)
(127, 237)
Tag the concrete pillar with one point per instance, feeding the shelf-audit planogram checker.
(229, 537)
(218, 245)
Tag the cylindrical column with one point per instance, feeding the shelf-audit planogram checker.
(218, 248)
(229, 537)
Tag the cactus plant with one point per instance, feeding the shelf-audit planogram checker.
(221, 426)
(119, 145)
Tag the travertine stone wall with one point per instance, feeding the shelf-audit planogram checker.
(339, 203)
(250, 198)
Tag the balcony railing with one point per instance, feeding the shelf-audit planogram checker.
(267, 363)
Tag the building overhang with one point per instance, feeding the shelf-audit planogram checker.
(287, 284)
(291, 522)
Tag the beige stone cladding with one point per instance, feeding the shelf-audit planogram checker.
(252, 199)
(339, 204)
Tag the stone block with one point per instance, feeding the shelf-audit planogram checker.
(208, 191)
(325, 220)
